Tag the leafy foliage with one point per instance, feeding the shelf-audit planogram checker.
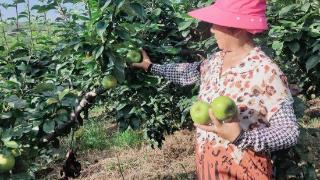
(295, 38)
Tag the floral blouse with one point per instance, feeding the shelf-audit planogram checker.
(259, 89)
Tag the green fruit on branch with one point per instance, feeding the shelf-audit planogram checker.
(223, 108)
(79, 133)
(88, 56)
(16, 152)
(134, 56)
(109, 82)
(200, 112)
(7, 162)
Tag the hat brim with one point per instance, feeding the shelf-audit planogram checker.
(215, 15)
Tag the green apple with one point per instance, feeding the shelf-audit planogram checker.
(79, 133)
(134, 56)
(109, 82)
(223, 108)
(16, 152)
(7, 162)
(88, 55)
(199, 112)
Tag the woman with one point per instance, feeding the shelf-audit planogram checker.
(266, 122)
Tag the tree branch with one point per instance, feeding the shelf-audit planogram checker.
(75, 117)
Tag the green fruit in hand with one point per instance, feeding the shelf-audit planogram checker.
(134, 56)
(7, 162)
(223, 108)
(109, 82)
(199, 112)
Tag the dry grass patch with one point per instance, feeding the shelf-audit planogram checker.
(174, 161)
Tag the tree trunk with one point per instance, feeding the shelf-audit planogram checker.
(3, 31)
(30, 23)
(45, 23)
(17, 20)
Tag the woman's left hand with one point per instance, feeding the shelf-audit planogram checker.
(228, 130)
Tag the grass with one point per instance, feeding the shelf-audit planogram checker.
(127, 139)
(94, 135)
(310, 122)
(314, 123)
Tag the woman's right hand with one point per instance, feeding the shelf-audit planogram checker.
(145, 63)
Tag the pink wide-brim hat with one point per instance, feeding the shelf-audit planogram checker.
(244, 14)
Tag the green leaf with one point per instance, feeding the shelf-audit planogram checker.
(118, 67)
(134, 123)
(13, 82)
(22, 16)
(52, 101)
(62, 116)
(152, 80)
(97, 53)
(36, 7)
(312, 62)
(18, 1)
(11, 144)
(62, 94)
(157, 12)
(287, 9)
(101, 28)
(43, 87)
(316, 47)
(59, 66)
(5, 115)
(299, 107)
(184, 25)
(7, 134)
(119, 3)
(15, 102)
(22, 67)
(48, 127)
(305, 7)
(123, 125)
(138, 9)
(287, 24)
(294, 47)
(185, 33)
(70, 100)
(106, 4)
(277, 46)
(123, 33)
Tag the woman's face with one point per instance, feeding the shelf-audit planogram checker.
(224, 36)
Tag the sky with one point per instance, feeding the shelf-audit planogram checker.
(10, 12)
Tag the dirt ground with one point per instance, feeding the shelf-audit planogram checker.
(175, 160)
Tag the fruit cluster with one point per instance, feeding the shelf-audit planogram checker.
(223, 108)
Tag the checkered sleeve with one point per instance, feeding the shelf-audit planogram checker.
(282, 133)
(179, 73)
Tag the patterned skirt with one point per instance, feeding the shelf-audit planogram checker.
(217, 162)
